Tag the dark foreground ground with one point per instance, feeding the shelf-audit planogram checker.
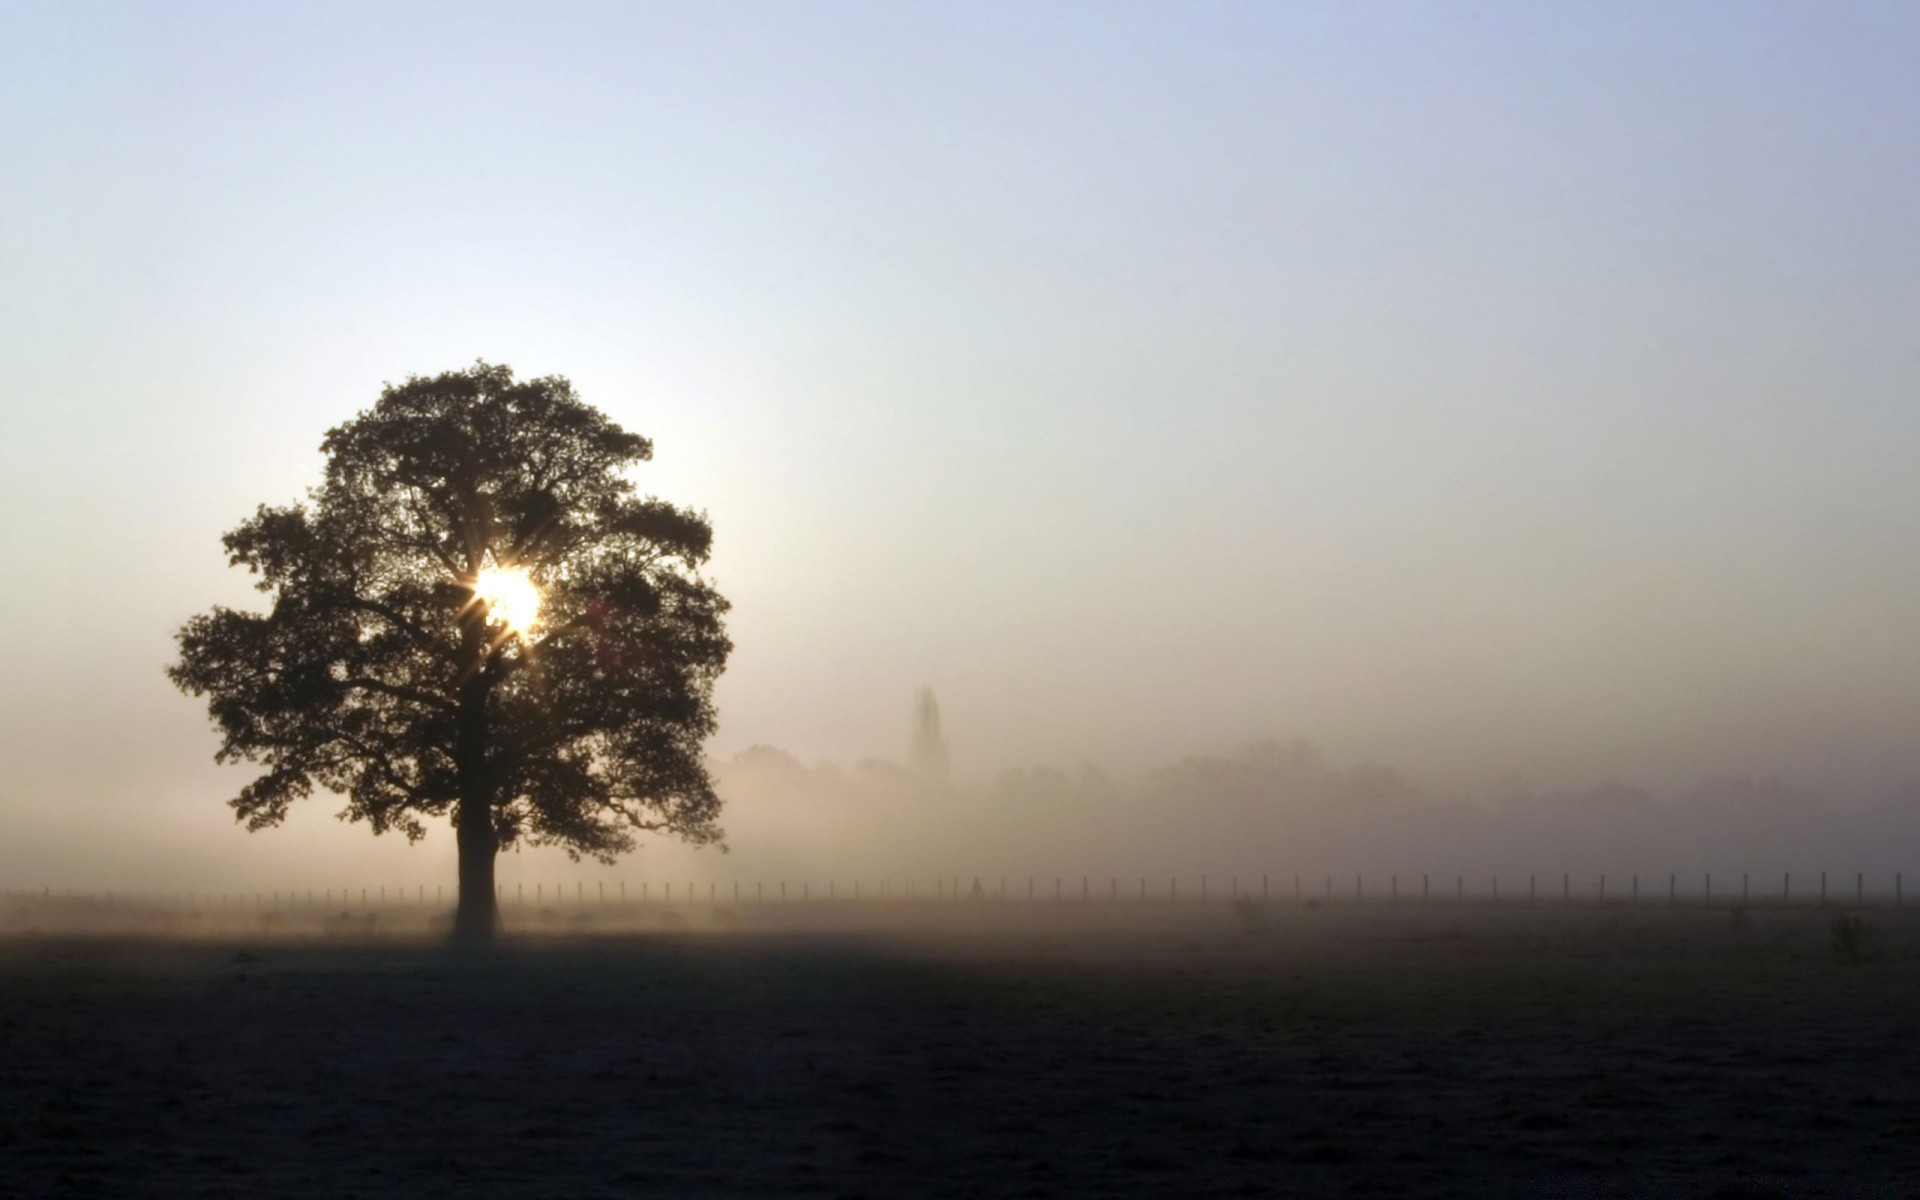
(1306, 1052)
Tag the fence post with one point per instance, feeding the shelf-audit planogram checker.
(1786, 887)
(1566, 889)
(1746, 891)
(1533, 888)
(1296, 885)
(1823, 889)
(1897, 897)
(1603, 889)
(1495, 881)
(1356, 885)
(1636, 888)
(1709, 887)
(1263, 885)
(1426, 888)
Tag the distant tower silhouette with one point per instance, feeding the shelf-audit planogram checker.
(928, 751)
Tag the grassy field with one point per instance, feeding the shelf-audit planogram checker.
(946, 1051)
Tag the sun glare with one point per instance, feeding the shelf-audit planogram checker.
(510, 597)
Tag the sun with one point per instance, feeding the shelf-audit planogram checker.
(510, 597)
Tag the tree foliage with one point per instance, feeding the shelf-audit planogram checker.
(375, 673)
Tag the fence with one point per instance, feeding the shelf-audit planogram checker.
(1672, 889)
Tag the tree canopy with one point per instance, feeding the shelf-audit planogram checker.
(387, 670)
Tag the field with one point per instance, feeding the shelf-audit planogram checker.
(983, 1050)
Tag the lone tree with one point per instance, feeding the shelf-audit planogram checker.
(474, 615)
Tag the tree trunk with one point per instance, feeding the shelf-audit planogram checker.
(477, 918)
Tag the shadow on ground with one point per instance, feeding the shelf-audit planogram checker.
(1291, 1053)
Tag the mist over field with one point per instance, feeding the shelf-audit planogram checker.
(1515, 403)
(1192, 511)
(1269, 807)
(1281, 808)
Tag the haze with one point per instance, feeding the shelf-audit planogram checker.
(1517, 396)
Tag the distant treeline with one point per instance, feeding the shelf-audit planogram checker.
(1281, 806)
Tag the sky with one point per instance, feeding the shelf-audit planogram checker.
(1499, 391)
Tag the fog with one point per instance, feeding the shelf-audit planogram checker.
(1288, 438)
(1276, 810)
(1274, 815)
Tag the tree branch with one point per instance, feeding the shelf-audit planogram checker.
(399, 692)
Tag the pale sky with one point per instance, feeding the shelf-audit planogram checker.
(1495, 390)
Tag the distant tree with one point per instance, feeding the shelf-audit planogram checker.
(767, 758)
(474, 616)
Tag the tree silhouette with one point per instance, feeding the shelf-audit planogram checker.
(400, 665)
